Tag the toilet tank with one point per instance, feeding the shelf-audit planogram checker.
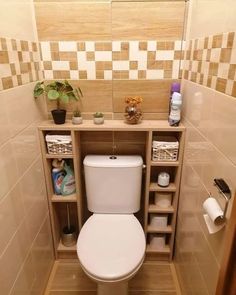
(113, 183)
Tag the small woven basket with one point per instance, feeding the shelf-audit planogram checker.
(165, 148)
(59, 144)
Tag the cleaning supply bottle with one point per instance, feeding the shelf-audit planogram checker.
(175, 111)
(175, 87)
(68, 183)
(58, 175)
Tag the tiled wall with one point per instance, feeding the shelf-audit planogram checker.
(19, 62)
(135, 44)
(208, 88)
(26, 253)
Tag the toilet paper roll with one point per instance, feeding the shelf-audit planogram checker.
(214, 217)
(163, 200)
(157, 241)
(159, 220)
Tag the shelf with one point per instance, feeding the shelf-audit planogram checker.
(154, 187)
(165, 250)
(61, 156)
(60, 198)
(62, 248)
(156, 209)
(166, 163)
(153, 229)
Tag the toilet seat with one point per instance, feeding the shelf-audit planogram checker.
(111, 247)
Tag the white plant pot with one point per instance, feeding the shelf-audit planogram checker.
(77, 120)
(99, 120)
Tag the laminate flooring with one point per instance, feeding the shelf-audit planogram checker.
(154, 278)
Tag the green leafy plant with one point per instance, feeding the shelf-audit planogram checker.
(77, 113)
(98, 115)
(61, 91)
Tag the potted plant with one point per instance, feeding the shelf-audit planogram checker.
(98, 118)
(77, 118)
(61, 91)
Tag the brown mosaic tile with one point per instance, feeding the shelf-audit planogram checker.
(221, 85)
(23, 67)
(225, 55)
(3, 43)
(81, 46)
(13, 44)
(61, 74)
(178, 54)
(83, 75)
(133, 65)
(151, 55)
(103, 46)
(55, 56)
(20, 56)
(230, 40)
(54, 46)
(13, 69)
(234, 89)
(209, 80)
(73, 65)
(19, 79)
(168, 64)
(141, 74)
(24, 45)
(116, 55)
(103, 65)
(90, 56)
(99, 74)
(167, 74)
(217, 41)
(143, 45)
(232, 72)
(4, 57)
(124, 46)
(47, 65)
(34, 46)
(213, 69)
(7, 82)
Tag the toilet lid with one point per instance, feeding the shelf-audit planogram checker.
(111, 246)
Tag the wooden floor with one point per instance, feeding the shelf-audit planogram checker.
(154, 278)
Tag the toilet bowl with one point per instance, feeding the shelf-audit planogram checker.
(111, 249)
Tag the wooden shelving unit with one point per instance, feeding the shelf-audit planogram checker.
(88, 138)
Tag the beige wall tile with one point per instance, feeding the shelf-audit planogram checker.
(75, 21)
(154, 93)
(147, 20)
(18, 21)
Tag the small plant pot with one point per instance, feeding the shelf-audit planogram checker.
(77, 120)
(68, 237)
(98, 121)
(59, 116)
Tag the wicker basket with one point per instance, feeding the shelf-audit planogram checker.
(165, 148)
(59, 144)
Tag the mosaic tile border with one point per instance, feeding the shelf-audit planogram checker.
(96, 60)
(19, 62)
(211, 62)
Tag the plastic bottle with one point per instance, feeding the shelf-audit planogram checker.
(58, 175)
(175, 87)
(68, 183)
(175, 111)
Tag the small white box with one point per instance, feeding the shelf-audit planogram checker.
(159, 220)
(163, 200)
(157, 241)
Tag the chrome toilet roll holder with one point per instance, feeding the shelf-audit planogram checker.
(224, 191)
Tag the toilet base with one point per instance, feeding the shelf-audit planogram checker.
(114, 289)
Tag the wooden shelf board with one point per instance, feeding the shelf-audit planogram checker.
(60, 198)
(62, 248)
(165, 163)
(154, 187)
(156, 209)
(152, 229)
(59, 156)
(165, 250)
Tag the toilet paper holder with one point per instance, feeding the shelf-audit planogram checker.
(224, 190)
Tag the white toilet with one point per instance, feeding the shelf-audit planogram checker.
(111, 244)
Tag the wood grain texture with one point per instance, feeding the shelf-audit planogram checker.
(97, 97)
(155, 94)
(147, 20)
(73, 21)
